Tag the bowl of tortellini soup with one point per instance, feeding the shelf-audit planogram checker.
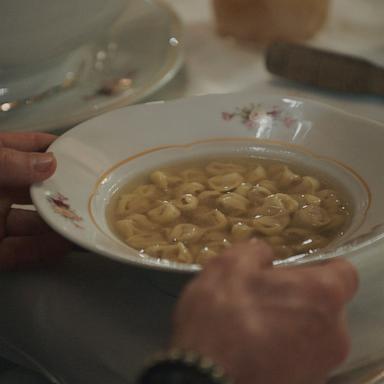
(205, 196)
(171, 185)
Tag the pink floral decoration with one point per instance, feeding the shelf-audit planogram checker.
(60, 205)
(251, 115)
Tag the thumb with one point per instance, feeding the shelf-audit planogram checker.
(21, 169)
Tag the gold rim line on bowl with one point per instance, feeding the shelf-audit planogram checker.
(223, 139)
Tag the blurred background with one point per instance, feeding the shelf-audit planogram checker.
(165, 49)
(218, 64)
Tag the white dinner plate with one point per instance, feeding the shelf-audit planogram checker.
(144, 45)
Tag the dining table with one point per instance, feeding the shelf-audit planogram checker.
(91, 320)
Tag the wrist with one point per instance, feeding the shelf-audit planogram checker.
(182, 367)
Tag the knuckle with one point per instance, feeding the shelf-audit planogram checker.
(220, 263)
(42, 140)
(333, 294)
(6, 158)
(227, 261)
(328, 294)
(232, 254)
(298, 285)
(252, 255)
(311, 285)
(36, 140)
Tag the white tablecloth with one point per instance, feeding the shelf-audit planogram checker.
(91, 320)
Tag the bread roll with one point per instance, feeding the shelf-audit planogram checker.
(264, 21)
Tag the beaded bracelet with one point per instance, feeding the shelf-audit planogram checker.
(182, 367)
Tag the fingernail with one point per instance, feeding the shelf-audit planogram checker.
(43, 163)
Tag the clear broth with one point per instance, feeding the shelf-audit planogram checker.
(191, 211)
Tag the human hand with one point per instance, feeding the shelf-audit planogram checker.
(24, 237)
(263, 324)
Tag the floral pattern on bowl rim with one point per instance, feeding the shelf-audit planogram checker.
(254, 114)
(59, 204)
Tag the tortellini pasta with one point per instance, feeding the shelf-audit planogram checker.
(241, 231)
(164, 213)
(257, 174)
(243, 189)
(132, 203)
(186, 202)
(311, 216)
(188, 233)
(178, 252)
(135, 224)
(190, 213)
(213, 219)
(192, 188)
(271, 225)
(233, 203)
(164, 181)
(225, 183)
(285, 177)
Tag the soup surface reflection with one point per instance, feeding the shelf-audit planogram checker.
(191, 212)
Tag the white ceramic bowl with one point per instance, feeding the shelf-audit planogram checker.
(97, 156)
